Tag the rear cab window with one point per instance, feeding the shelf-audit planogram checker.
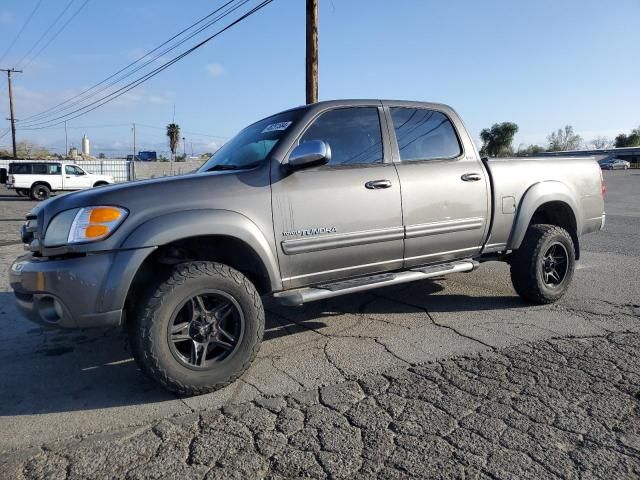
(424, 134)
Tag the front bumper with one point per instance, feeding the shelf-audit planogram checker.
(77, 292)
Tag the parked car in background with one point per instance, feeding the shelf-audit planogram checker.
(614, 164)
(38, 180)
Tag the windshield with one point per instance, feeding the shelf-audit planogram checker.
(252, 145)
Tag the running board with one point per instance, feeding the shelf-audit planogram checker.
(304, 295)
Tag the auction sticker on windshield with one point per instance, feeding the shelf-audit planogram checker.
(276, 126)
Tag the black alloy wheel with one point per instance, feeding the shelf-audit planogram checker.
(205, 329)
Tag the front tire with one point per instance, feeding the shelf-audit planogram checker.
(199, 330)
(543, 266)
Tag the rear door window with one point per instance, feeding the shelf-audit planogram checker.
(424, 134)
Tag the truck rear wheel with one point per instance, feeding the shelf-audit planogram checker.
(40, 192)
(543, 266)
(200, 329)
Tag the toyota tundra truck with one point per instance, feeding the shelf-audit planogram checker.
(311, 203)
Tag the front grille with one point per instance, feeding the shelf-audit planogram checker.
(30, 234)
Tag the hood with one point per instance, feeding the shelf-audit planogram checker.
(145, 199)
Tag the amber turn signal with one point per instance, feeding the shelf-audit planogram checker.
(104, 215)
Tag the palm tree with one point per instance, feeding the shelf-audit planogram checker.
(173, 132)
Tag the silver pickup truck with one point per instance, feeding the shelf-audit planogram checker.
(313, 202)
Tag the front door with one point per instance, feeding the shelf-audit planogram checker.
(444, 190)
(75, 178)
(342, 219)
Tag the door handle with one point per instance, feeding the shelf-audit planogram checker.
(471, 177)
(377, 184)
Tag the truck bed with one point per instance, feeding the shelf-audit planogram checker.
(512, 177)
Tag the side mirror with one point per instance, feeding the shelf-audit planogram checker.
(308, 154)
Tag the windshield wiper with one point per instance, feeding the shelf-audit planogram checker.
(230, 167)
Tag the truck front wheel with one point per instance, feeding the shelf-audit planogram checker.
(542, 268)
(200, 329)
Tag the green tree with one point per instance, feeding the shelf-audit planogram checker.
(173, 132)
(530, 150)
(497, 140)
(102, 155)
(631, 140)
(564, 139)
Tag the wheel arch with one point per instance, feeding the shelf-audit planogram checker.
(212, 235)
(41, 182)
(549, 202)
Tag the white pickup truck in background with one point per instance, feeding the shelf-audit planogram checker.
(39, 179)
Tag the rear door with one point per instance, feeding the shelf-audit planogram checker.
(445, 197)
(331, 221)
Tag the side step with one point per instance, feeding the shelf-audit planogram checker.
(300, 296)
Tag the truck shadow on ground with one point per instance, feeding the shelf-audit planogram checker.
(50, 371)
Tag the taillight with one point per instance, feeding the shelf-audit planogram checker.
(603, 187)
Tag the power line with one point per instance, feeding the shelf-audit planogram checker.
(55, 35)
(121, 91)
(46, 32)
(83, 95)
(35, 9)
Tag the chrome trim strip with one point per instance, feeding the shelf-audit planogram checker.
(399, 260)
(326, 242)
(443, 253)
(495, 246)
(447, 226)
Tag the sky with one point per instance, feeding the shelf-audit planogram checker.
(542, 64)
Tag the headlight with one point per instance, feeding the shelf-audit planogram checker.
(95, 223)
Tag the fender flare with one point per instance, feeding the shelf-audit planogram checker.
(178, 225)
(537, 195)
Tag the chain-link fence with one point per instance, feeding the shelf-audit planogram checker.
(120, 170)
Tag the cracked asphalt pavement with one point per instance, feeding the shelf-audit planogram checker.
(448, 378)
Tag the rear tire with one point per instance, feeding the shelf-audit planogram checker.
(179, 340)
(40, 192)
(543, 266)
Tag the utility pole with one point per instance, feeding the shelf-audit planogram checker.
(66, 140)
(134, 141)
(184, 149)
(13, 118)
(312, 52)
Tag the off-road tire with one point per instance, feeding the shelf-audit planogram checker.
(527, 264)
(148, 328)
(40, 192)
